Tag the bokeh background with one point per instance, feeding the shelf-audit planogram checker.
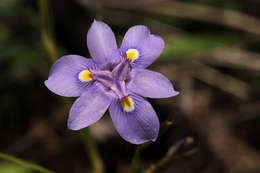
(212, 56)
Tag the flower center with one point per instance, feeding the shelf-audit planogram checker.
(132, 54)
(127, 104)
(85, 76)
(114, 80)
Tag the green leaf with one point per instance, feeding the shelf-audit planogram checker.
(179, 47)
(6, 167)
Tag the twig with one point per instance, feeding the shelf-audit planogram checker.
(227, 83)
(217, 131)
(225, 17)
(171, 156)
(230, 18)
(135, 165)
(234, 57)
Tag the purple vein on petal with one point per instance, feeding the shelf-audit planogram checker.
(123, 67)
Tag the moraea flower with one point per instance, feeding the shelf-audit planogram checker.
(115, 79)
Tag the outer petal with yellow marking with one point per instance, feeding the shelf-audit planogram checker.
(63, 78)
(137, 126)
(88, 108)
(150, 84)
(85, 76)
(149, 46)
(127, 104)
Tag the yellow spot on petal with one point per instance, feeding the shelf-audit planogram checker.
(127, 104)
(132, 54)
(85, 76)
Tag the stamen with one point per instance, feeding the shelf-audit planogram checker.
(127, 104)
(132, 54)
(85, 76)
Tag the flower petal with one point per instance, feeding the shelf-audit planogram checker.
(88, 108)
(101, 43)
(134, 36)
(138, 126)
(150, 84)
(63, 78)
(150, 46)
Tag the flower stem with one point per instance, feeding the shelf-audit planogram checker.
(47, 29)
(91, 149)
(25, 163)
(136, 161)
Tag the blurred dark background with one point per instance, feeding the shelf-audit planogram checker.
(212, 56)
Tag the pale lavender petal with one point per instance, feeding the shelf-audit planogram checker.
(134, 36)
(63, 78)
(101, 43)
(140, 125)
(150, 84)
(88, 108)
(150, 46)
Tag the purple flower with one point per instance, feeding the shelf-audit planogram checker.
(115, 79)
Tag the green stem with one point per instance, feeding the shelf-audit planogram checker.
(47, 29)
(25, 163)
(136, 161)
(91, 149)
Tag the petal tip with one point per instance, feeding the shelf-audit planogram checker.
(160, 42)
(97, 22)
(153, 140)
(138, 142)
(47, 84)
(175, 93)
(73, 126)
(156, 136)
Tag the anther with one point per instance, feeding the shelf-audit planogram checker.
(127, 104)
(85, 76)
(132, 54)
